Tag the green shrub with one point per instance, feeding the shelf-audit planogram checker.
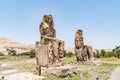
(12, 52)
(108, 54)
(103, 53)
(116, 51)
(32, 53)
(70, 54)
(64, 54)
(97, 55)
(1, 54)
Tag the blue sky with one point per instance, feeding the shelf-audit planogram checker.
(99, 20)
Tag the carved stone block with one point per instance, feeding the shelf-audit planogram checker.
(42, 54)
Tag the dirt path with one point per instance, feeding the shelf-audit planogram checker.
(15, 75)
(10, 71)
(115, 75)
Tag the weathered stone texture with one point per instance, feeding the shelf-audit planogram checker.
(49, 51)
(62, 71)
(47, 26)
(82, 52)
(42, 59)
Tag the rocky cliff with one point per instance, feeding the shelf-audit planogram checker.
(9, 44)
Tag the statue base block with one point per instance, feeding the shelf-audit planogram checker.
(62, 71)
(95, 62)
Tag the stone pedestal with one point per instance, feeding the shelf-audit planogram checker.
(62, 71)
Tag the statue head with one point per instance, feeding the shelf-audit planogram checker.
(48, 19)
(78, 38)
(47, 26)
(79, 42)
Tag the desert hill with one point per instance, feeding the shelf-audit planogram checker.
(9, 44)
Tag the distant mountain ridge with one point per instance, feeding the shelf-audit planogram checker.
(6, 43)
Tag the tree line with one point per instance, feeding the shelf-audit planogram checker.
(104, 54)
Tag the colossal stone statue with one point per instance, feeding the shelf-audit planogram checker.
(47, 26)
(49, 51)
(82, 52)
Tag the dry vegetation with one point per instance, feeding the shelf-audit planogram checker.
(89, 71)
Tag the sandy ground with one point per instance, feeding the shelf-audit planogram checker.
(115, 75)
(16, 75)
(8, 72)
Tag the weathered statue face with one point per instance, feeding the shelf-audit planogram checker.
(48, 20)
(78, 41)
(47, 26)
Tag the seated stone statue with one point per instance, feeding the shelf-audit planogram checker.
(82, 52)
(49, 51)
(47, 26)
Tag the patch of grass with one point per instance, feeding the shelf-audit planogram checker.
(110, 65)
(37, 79)
(2, 58)
(2, 79)
(31, 67)
(53, 78)
(86, 74)
(13, 58)
(74, 77)
(112, 59)
(69, 59)
(102, 71)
